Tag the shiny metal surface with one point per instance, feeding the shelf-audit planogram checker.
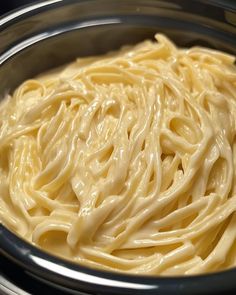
(29, 37)
(9, 288)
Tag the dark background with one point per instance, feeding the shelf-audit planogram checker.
(7, 5)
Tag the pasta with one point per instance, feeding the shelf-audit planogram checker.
(126, 161)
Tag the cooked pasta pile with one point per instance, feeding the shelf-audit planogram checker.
(126, 162)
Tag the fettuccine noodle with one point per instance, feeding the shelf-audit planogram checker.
(126, 162)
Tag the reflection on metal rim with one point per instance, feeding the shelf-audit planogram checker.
(40, 37)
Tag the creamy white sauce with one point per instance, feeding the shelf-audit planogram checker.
(126, 161)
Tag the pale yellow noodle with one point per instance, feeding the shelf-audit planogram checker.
(126, 162)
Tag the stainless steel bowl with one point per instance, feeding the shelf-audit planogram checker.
(47, 34)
